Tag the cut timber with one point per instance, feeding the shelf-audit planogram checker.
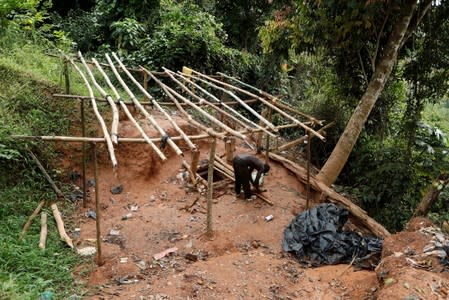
(43, 235)
(333, 196)
(210, 188)
(30, 219)
(60, 225)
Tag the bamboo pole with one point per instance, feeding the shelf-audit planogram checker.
(97, 206)
(251, 101)
(78, 139)
(145, 85)
(224, 104)
(58, 192)
(115, 117)
(210, 131)
(142, 109)
(60, 225)
(252, 111)
(154, 102)
(31, 218)
(308, 171)
(83, 133)
(302, 139)
(128, 113)
(277, 101)
(204, 101)
(43, 234)
(204, 113)
(99, 117)
(222, 171)
(210, 188)
(267, 103)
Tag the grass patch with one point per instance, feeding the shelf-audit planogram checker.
(28, 77)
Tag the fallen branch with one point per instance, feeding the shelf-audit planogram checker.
(43, 236)
(60, 225)
(52, 183)
(30, 219)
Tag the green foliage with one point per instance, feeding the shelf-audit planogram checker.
(127, 33)
(26, 107)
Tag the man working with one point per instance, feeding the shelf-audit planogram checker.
(244, 165)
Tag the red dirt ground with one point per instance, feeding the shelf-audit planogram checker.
(243, 260)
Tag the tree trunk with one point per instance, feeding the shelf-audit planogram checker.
(340, 154)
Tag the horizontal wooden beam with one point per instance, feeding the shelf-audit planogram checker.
(56, 138)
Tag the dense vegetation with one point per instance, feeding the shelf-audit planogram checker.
(317, 55)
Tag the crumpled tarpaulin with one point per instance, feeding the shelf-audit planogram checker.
(315, 236)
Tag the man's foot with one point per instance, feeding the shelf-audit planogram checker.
(253, 197)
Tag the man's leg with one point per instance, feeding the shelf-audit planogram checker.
(238, 179)
(246, 185)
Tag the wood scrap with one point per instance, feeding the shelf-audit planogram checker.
(43, 235)
(60, 225)
(30, 219)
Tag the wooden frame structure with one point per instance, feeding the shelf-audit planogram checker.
(187, 91)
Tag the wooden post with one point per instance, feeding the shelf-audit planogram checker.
(97, 206)
(43, 235)
(83, 132)
(267, 144)
(210, 179)
(66, 76)
(260, 134)
(30, 219)
(195, 160)
(308, 171)
(229, 147)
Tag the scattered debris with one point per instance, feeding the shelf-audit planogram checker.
(114, 232)
(141, 264)
(269, 218)
(91, 183)
(74, 176)
(91, 214)
(127, 216)
(76, 194)
(191, 257)
(123, 260)
(117, 190)
(86, 251)
(126, 280)
(164, 253)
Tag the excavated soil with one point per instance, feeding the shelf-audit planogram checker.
(158, 210)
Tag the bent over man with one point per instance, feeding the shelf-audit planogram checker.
(244, 165)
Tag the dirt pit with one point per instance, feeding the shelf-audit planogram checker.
(157, 210)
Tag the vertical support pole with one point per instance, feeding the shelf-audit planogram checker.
(83, 133)
(267, 144)
(195, 160)
(210, 179)
(66, 76)
(145, 84)
(229, 147)
(97, 206)
(308, 171)
(259, 135)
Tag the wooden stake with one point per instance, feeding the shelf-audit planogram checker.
(30, 219)
(83, 133)
(43, 235)
(210, 180)
(60, 225)
(97, 206)
(195, 160)
(229, 148)
(308, 171)
(145, 84)
(58, 192)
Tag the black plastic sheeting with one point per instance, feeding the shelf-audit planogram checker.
(316, 237)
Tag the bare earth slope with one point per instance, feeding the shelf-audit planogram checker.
(243, 260)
